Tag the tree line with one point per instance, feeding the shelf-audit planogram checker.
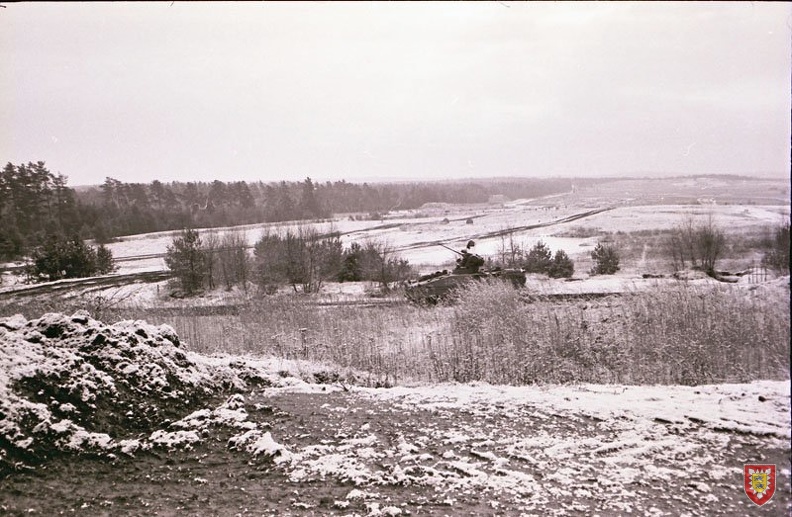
(133, 208)
(36, 204)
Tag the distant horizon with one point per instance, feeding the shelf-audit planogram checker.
(637, 176)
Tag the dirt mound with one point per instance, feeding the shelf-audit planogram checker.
(75, 384)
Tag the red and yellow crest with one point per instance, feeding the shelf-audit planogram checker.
(760, 482)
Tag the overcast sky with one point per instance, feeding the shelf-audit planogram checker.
(370, 91)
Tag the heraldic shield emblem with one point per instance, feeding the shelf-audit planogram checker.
(760, 482)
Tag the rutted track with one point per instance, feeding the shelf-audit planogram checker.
(80, 283)
(499, 233)
(98, 283)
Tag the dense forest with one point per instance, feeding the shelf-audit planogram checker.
(35, 203)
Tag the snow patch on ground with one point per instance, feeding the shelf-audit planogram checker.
(534, 445)
(760, 408)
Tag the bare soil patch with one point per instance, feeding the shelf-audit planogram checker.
(379, 457)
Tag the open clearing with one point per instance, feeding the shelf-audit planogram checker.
(130, 419)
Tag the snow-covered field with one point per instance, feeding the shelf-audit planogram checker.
(572, 222)
(416, 234)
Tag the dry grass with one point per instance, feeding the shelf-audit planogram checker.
(649, 251)
(678, 334)
(672, 335)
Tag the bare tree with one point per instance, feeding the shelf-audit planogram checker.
(268, 272)
(211, 245)
(700, 244)
(382, 264)
(681, 245)
(232, 258)
(710, 243)
(321, 258)
(511, 253)
(777, 255)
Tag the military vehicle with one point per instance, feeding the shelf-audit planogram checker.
(431, 288)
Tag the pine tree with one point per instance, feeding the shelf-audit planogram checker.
(538, 259)
(351, 265)
(606, 260)
(104, 260)
(186, 259)
(309, 204)
(562, 266)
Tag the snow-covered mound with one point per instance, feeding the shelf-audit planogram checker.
(72, 383)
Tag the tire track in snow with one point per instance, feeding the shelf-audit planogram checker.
(507, 231)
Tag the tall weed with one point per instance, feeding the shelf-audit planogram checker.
(672, 334)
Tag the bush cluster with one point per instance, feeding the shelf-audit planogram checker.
(373, 261)
(539, 259)
(61, 257)
(303, 258)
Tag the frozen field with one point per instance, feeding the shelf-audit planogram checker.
(417, 237)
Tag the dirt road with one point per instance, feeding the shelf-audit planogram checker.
(351, 453)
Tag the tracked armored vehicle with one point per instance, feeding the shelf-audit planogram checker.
(431, 288)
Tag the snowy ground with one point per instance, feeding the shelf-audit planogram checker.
(562, 450)
(139, 295)
(415, 233)
(118, 419)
